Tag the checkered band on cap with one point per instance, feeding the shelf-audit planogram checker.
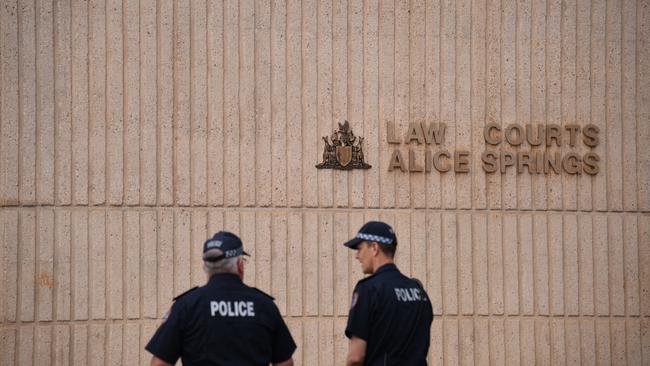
(213, 244)
(234, 252)
(377, 238)
(227, 254)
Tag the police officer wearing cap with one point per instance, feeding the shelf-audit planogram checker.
(390, 315)
(224, 322)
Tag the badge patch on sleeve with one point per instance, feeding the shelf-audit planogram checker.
(355, 297)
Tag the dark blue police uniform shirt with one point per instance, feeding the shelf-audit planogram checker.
(224, 322)
(393, 314)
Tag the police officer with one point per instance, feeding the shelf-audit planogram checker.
(224, 322)
(390, 315)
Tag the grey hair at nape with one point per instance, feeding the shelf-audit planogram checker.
(226, 265)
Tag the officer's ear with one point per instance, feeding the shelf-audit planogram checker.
(375, 248)
(240, 266)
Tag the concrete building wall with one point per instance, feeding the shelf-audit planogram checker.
(132, 130)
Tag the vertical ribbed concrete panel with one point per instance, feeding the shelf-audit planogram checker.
(114, 102)
(80, 99)
(294, 128)
(447, 115)
(583, 91)
(355, 105)
(198, 105)
(131, 271)
(322, 25)
(492, 111)
(148, 99)
(132, 116)
(372, 137)
(524, 95)
(80, 266)
(644, 264)
(538, 91)
(278, 34)
(61, 346)
(96, 344)
(27, 102)
(386, 49)
(508, 107)
(309, 75)
(463, 130)
(262, 104)
(42, 348)
(478, 94)
(480, 265)
(587, 341)
(309, 342)
(25, 345)
(27, 265)
(62, 108)
(131, 352)
(148, 263)
(79, 343)
(586, 264)
(45, 264)
(115, 345)
(132, 131)
(340, 91)
(165, 259)
(62, 241)
(215, 125)
(165, 102)
(45, 127)
(526, 265)
(198, 225)
(279, 261)
(182, 107)
(510, 265)
(434, 262)
(146, 329)
(294, 264)
(114, 264)
(341, 264)
(247, 236)
(97, 263)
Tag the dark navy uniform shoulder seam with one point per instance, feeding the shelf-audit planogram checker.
(363, 280)
(418, 282)
(263, 293)
(186, 292)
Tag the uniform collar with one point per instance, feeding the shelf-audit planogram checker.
(224, 278)
(386, 268)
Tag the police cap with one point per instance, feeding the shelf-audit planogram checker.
(228, 243)
(376, 231)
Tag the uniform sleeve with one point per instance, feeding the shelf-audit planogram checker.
(167, 342)
(359, 315)
(283, 344)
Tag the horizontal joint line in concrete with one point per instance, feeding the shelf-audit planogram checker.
(323, 209)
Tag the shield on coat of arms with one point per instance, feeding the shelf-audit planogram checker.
(344, 154)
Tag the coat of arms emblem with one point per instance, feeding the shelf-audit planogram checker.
(343, 150)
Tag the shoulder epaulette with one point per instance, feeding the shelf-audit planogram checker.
(263, 293)
(186, 292)
(418, 282)
(366, 278)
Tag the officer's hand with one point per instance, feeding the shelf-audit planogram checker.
(155, 361)
(356, 351)
(288, 362)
